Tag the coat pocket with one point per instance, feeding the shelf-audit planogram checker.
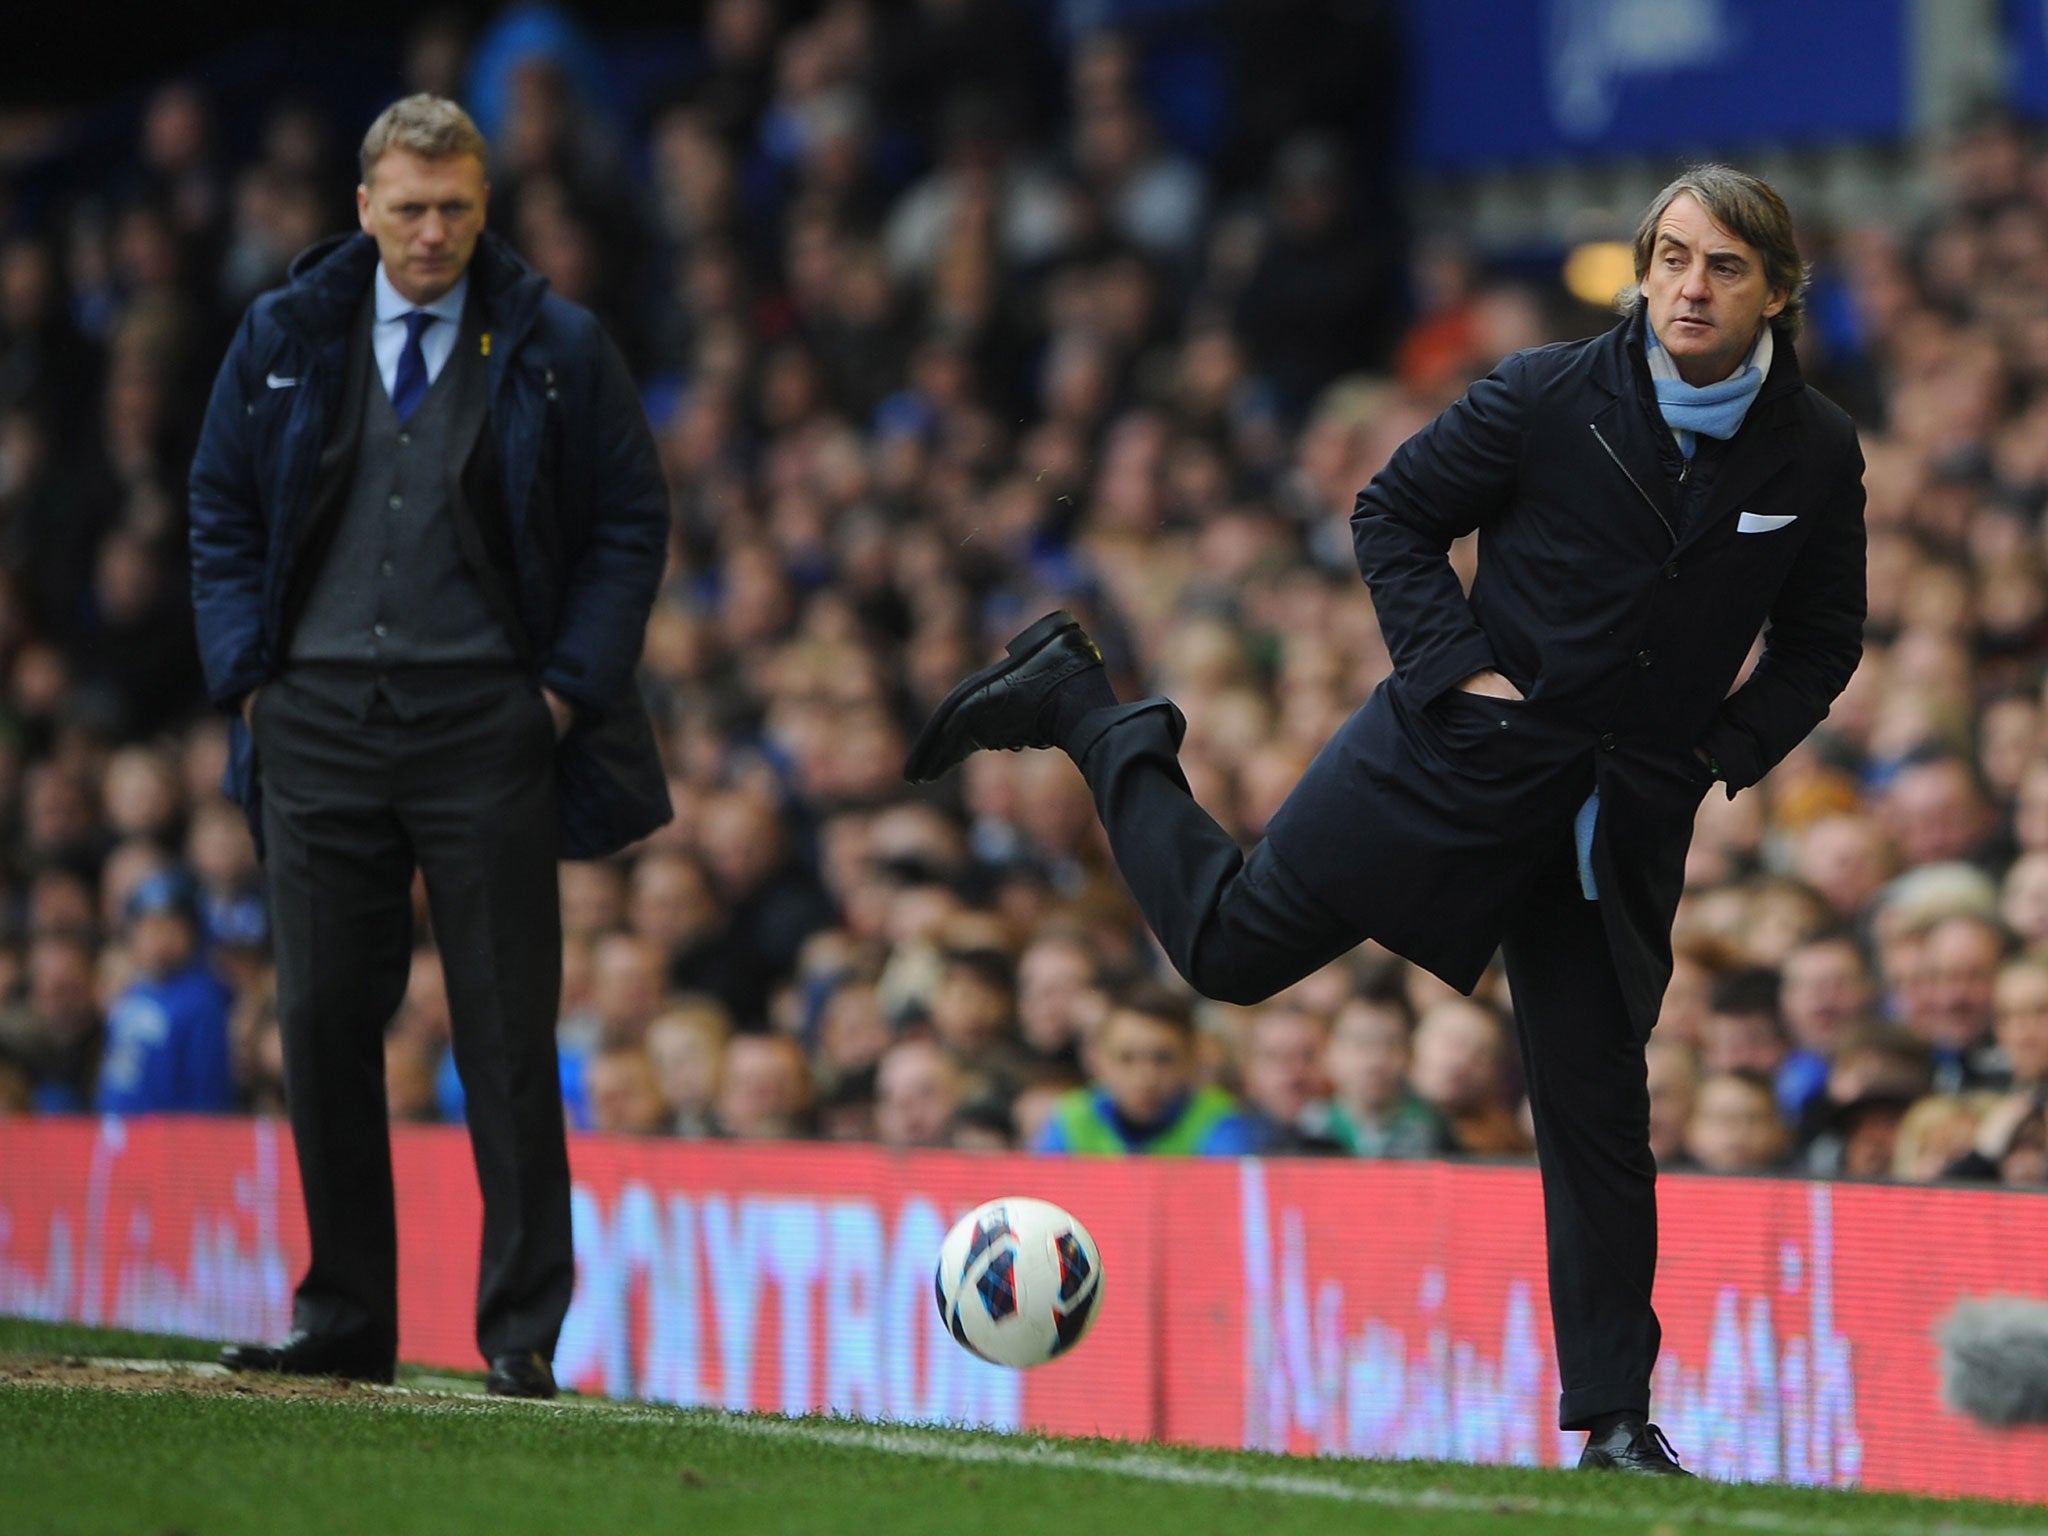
(1477, 735)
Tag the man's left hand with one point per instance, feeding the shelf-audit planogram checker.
(563, 711)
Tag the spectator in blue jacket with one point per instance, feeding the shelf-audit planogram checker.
(167, 1033)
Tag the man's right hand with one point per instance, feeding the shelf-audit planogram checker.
(1490, 684)
(249, 706)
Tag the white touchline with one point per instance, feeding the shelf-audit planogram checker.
(432, 1394)
(1151, 1467)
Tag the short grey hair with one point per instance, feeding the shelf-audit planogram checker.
(1748, 209)
(432, 127)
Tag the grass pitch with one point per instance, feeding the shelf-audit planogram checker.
(91, 1446)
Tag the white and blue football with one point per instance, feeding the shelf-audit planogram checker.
(1019, 1281)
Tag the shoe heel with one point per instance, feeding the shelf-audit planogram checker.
(1032, 638)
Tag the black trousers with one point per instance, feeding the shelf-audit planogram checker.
(1241, 928)
(355, 798)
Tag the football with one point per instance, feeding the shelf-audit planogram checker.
(1019, 1281)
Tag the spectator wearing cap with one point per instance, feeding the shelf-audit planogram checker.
(167, 1033)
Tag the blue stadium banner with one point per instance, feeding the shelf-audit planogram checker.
(1519, 81)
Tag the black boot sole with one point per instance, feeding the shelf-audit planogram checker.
(1600, 1461)
(927, 759)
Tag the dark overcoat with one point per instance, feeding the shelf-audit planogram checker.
(576, 512)
(1621, 591)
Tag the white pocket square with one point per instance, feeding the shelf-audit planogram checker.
(1757, 522)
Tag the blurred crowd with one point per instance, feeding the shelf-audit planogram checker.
(944, 317)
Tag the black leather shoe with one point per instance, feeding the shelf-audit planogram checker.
(315, 1354)
(1632, 1446)
(521, 1374)
(998, 708)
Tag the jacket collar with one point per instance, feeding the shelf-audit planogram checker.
(328, 281)
(1631, 428)
(1621, 366)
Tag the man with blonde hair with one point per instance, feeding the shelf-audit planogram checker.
(428, 523)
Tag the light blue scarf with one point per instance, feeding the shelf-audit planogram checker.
(1717, 410)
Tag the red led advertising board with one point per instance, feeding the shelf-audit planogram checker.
(1354, 1308)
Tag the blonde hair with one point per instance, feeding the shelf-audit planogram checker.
(1924, 1126)
(432, 127)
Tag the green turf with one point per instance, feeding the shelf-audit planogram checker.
(19, 1336)
(91, 1460)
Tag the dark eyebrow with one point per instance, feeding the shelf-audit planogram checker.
(1724, 253)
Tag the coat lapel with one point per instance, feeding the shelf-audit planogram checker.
(469, 397)
(1626, 445)
(469, 438)
(510, 294)
(1630, 453)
